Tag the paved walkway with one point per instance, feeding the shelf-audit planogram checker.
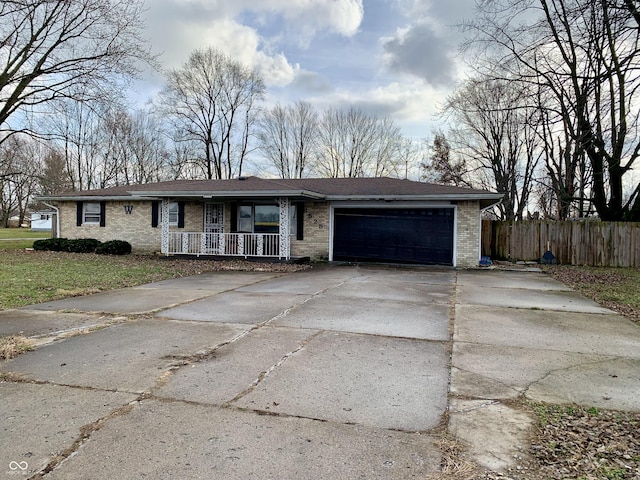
(337, 372)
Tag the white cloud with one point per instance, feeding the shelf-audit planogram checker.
(311, 16)
(178, 27)
(276, 70)
(409, 103)
(421, 51)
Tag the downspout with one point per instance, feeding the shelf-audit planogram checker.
(57, 218)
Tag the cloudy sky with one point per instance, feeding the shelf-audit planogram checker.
(392, 57)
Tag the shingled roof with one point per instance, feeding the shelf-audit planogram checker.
(380, 188)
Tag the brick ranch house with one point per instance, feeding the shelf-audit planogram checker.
(360, 219)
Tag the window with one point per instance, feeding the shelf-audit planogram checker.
(173, 213)
(91, 213)
(245, 218)
(264, 219)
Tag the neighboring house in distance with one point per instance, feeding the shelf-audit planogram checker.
(359, 219)
(41, 221)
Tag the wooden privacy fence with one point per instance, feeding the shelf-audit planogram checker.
(602, 244)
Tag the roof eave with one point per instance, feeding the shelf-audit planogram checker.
(94, 198)
(233, 194)
(416, 198)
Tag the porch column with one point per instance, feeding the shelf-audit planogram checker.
(285, 241)
(164, 223)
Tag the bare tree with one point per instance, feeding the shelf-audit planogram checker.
(352, 143)
(586, 53)
(20, 163)
(441, 167)
(131, 143)
(287, 137)
(65, 49)
(212, 100)
(494, 133)
(74, 129)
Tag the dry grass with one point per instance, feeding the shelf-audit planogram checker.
(11, 347)
(454, 463)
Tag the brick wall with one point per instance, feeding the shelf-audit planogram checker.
(316, 233)
(468, 233)
(135, 227)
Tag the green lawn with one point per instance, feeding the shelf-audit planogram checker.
(34, 277)
(28, 277)
(8, 238)
(615, 288)
(8, 233)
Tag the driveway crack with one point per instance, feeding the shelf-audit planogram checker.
(85, 433)
(271, 369)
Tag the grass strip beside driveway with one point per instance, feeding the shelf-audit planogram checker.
(614, 288)
(35, 277)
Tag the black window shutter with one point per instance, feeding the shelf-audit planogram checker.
(180, 214)
(78, 213)
(234, 217)
(154, 213)
(300, 221)
(103, 214)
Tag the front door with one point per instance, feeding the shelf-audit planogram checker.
(213, 224)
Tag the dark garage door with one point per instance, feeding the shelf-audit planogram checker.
(415, 235)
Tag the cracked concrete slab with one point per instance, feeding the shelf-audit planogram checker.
(527, 298)
(31, 323)
(126, 357)
(522, 334)
(129, 301)
(42, 421)
(308, 282)
(212, 281)
(381, 317)
(595, 334)
(235, 307)
(411, 274)
(375, 288)
(234, 367)
(512, 367)
(168, 440)
(159, 295)
(612, 384)
(510, 280)
(350, 378)
(495, 433)
(360, 358)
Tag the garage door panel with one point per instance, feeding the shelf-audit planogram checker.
(401, 235)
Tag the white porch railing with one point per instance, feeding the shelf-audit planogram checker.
(231, 244)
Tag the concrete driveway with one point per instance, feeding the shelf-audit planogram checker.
(338, 372)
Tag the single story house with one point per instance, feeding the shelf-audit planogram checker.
(358, 219)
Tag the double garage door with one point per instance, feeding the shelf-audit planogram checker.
(407, 235)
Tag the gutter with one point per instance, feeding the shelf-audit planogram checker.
(229, 193)
(433, 197)
(57, 218)
(91, 198)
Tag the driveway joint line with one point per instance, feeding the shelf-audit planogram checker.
(263, 375)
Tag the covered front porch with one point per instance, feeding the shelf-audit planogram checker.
(215, 239)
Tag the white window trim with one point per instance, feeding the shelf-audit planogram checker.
(94, 213)
(172, 206)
